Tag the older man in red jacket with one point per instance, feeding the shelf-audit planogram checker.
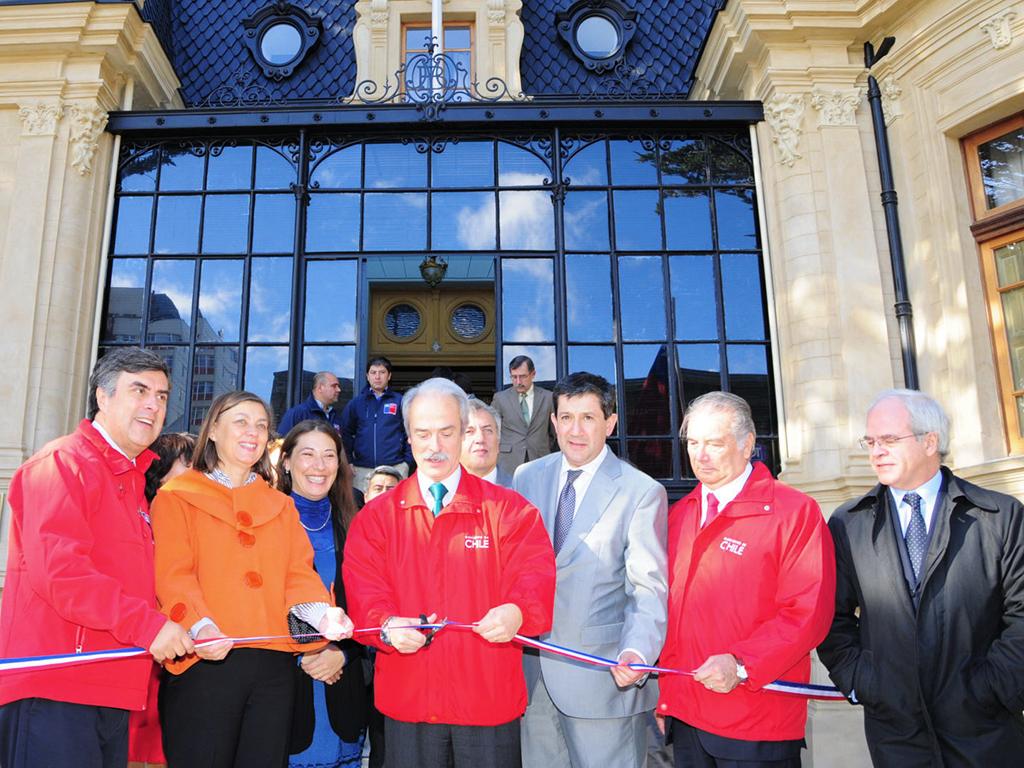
(751, 590)
(449, 545)
(80, 577)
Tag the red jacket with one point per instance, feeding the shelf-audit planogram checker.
(488, 547)
(757, 582)
(79, 572)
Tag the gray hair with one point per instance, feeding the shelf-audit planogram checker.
(108, 370)
(926, 414)
(383, 469)
(437, 387)
(476, 404)
(736, 406)
(321, 377)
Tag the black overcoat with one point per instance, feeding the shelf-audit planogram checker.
(942, 684)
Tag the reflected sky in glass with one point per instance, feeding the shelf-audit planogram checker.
(543, 357)
(464, 164)
(518, 167)
(133, 225)
(124, 300)
(273, 229)
(339, 170)
(637, 220)
(642, 298)
(588, 285)
(463, 221)
(391, 166)
(220, 300)
(332, 221)
(748, 378)
(270, 299)
(527, 221)
(688, 220)
(586, 221)
(632, 165)
(226, 224)
(261, 363)
(177, 224)
(699, 370)
(735, 209)
(170, 307)
(693, 288)
(230, 168)
(181, 170)
(744, 304)
(139, 173)
(598, 359)
(587, 167)
(528, 300)
(395, 221)
(273, 170)
(331, 301)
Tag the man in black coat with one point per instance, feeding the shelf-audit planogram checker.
(929, 624)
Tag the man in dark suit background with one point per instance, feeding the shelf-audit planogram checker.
(929, 625)
(526, 432)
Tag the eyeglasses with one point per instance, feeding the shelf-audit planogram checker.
(886, 441)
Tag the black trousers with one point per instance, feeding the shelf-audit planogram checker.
(234, 713)
(40, 733)
(428, 745)
(694, 748)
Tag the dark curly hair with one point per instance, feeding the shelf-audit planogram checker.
(168, 449)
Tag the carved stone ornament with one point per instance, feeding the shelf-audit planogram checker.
(891, 105)
(378, 13)
(496, 12)
(998, 28)
(836, 107)
(86, 127)
(41, 119)
(784, 114)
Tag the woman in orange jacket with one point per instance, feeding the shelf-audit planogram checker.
(232, 560)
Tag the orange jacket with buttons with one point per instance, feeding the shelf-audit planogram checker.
(236, 555)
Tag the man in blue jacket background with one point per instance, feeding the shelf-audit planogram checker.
(371, 425)
(319, 404)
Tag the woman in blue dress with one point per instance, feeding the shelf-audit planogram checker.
(331, 694)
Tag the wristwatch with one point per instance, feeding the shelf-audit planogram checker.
(384, 636)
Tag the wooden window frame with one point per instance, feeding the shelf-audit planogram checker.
(993, 296)
(976, 183)
(425, 25)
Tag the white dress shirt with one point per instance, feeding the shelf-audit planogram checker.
(451, 484)
(929, 493)
(492, 476)
(110, 441)
(583, 480)
(725, 494)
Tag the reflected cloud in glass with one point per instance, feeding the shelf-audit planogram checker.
(220, 300)
(527, 221)
(528, 306)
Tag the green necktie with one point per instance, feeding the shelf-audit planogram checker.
(525, 408)
(438, 491)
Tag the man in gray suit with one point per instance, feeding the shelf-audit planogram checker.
(525, 411)
(608, 523)
(480, 444)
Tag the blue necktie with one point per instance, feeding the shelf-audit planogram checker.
(916, 536)
(566, 509)
(437, 490)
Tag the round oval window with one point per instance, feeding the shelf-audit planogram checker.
(402, 321)
(597, 37)
(468, 321)
(280, 43)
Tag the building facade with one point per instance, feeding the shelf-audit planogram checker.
(681, 196)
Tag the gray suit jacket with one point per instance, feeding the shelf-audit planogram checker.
(522, 442)
(612, 585)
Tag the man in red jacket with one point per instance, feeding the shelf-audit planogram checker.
(80, 577)
(751, 590)
(447, 545)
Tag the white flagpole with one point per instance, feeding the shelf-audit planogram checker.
(437, 32)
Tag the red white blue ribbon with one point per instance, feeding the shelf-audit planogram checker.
(804, 690)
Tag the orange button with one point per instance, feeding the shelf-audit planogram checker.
(244, 518)
(246, 539)
(178, 612)
(253, 579)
